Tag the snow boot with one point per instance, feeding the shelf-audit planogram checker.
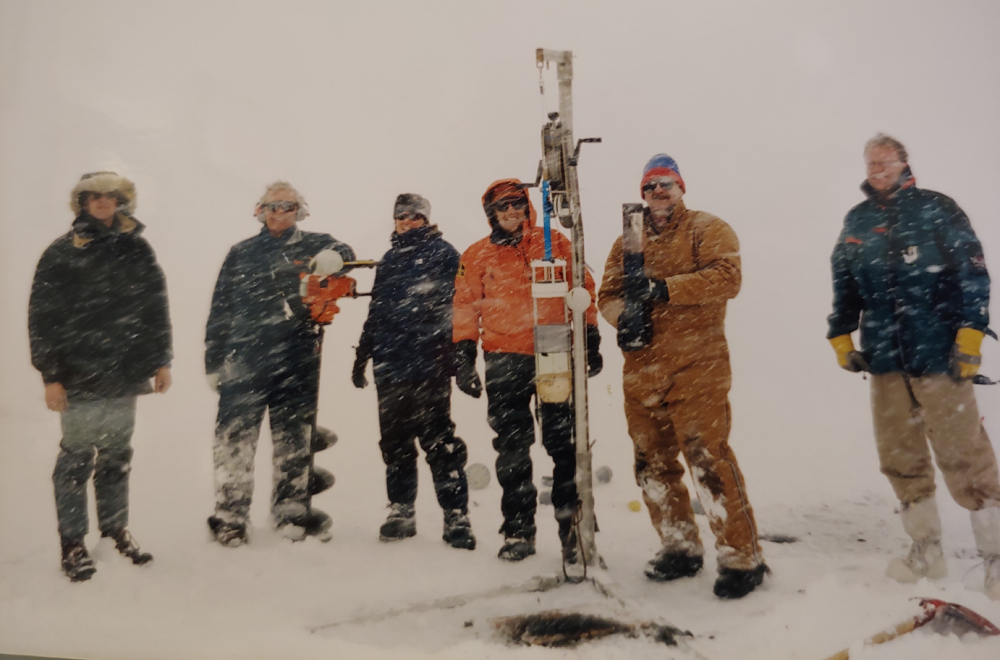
(458, 530)
(231, 535)
(735, 583)
(314, 523)
(126, 545)
(76, 561)
(400, 524)
(925, 559)
(667, 566)
(516, 548)
(986, 529)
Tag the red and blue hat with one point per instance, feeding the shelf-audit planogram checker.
(662, 165)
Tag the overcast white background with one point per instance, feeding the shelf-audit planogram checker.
(765, 106)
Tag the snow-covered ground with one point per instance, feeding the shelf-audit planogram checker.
(765, 105)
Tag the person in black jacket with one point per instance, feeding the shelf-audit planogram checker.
(262, 353)
(407, 335)
(100, 332)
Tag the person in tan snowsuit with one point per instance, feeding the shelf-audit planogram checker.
(676, 388)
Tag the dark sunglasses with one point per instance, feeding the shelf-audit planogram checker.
(104, 195)
(407, 216)
(665, 182)
(275, 207)
(516, 204)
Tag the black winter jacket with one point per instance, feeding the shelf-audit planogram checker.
(97, 318)
(258, 320)
(408, 330)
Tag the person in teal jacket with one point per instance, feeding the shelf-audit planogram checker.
(909, 273)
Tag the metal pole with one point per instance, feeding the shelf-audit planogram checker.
(584, 469)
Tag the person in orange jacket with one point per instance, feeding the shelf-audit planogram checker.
(493, 303)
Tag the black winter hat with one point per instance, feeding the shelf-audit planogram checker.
(412, 204)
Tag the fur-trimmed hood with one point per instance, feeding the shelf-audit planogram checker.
(104, 182)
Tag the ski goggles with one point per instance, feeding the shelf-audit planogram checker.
(516, 203)
(664, 182)
(280, 207)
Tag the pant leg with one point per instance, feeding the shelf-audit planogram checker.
(292, 405)
(241, 410)
(80, 425)
(659, 474)
(904, 456)
(446, 453)
(557, 437)
(956, 434)
(396, 412)
(114, 462)
(509, 389)
(698, 405)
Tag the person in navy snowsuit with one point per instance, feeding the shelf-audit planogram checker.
(262, 353)
(407, 335)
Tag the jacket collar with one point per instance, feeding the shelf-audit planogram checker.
(414, 237)
(675, 217)
(86, 228)
(906, 180)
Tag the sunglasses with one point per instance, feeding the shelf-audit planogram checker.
(104, 195)
(518, 204)
(283, 207)
(664, 182)
(407, 216)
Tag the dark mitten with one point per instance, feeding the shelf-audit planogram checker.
(594, 360)
(465, 368)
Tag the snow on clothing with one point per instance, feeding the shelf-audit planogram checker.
(493, 287)
(264, 345)
(493, 301)
(909, 271)
(97, 317)
(99, 326)
(408, 330)
(676, 389)
(408, 336)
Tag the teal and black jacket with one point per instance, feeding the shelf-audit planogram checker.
(908, 271)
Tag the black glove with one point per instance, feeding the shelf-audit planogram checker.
(594, 360)
(658, 290)
(465, 368)
(856, 362)
(360, 364)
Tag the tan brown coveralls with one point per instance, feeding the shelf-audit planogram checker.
(676, 389)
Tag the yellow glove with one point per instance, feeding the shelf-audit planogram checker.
(847, 357)
(965, 355)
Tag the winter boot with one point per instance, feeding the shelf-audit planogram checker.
(667, 565)
(126, 545)
(986, 529)
(516, 548)
(231, 535)
(76, 561)
(735, 583)
(925, 559)
(400, 524)
(458, 529)
(313, 523)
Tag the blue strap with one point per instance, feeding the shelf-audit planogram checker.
(546, 215)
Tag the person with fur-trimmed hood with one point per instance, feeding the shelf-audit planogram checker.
(262, 353)
(493, 304)
(100, 336)
(677, 387)
(407, 335)
(909, 273)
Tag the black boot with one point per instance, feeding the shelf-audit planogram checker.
(737, 583)
(126, 545)
(574, 568)
(516, 548)
(666, 566)
(458, 529)
(400, 524)
(76, 561)
(231, 535)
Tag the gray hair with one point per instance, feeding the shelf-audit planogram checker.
(883, 140)
(278, 186)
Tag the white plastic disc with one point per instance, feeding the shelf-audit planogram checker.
(578, 299)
